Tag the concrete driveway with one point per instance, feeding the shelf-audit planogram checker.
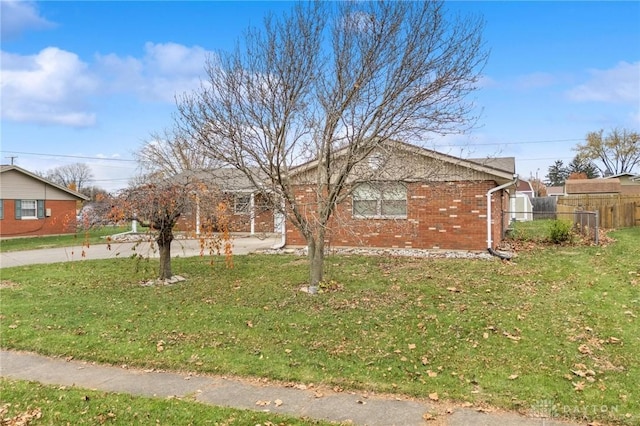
(242, 244)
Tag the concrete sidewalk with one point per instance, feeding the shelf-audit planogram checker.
(357, 408)
(242, 244)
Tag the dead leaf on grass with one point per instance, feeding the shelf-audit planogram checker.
(434, 396)
(578, 386)
(513, 377)
(584, 349)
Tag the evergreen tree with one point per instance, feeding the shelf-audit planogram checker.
(557, 174)
(580, 165)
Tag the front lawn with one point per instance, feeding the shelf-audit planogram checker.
(556, 325)
(80, 238)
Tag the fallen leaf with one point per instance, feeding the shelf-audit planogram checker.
(412, 345)
(579, 373)
(432, 373)
(578, 386)
(262, 403)
(584, 349)
(249, 324)
(614, 340)
(428, 417)
(513, 377)
(485, 335)
(434, 396)
(277, 402)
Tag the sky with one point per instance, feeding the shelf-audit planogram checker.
(90, 81)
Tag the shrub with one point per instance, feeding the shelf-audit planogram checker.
(560, 231)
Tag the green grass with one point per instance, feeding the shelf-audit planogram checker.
(60, 405)
(508, 334)
(80, 238)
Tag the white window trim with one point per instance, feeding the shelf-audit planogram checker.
(35, 209)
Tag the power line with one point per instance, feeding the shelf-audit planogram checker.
(69, 156)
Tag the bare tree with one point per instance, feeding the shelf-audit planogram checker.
(158, 204)
(331, 83)
(614, 153)
(74, 176)
(171, 153)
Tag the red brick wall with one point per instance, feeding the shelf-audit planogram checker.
(62, 220)
(439, 216)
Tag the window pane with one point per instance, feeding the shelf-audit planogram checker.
(241, 205)
(365, 208)
(29, 208)
(366, 192)
(394, 192)
(394, 208)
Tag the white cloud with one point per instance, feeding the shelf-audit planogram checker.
(49, 87)
(164, 71)
(17, 17)
(620, 84)
(54, 86)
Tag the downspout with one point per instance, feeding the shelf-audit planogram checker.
(489, 194)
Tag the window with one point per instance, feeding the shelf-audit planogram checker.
(241, 203)
(29, 209)
(380, 200)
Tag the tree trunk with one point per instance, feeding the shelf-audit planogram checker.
(164, 246)
(316, 262)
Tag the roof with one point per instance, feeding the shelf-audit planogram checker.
(555, 190)
(6, 167)
(227, 179)
(592, 186)
(501, 167)
(625, 174)
(524, 186)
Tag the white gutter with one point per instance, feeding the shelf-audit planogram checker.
(489, 194)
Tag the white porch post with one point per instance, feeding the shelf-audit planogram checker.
(252, 212)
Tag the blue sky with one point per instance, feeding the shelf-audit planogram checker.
(90, 81)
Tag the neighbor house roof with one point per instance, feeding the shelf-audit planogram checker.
(6, 168)
(555, 190)
(592, 186)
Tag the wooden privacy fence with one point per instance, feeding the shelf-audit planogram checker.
(614, 211)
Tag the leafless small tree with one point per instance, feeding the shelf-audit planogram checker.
(171, 153)
(75, 176)
(331, 83)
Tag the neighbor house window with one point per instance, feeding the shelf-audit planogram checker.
(380, 200)
(241, 203)
(29, 209)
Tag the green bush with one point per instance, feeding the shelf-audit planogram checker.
(560, 231)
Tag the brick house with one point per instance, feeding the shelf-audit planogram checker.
(246, 210)
(415, 198)
(31, 205)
